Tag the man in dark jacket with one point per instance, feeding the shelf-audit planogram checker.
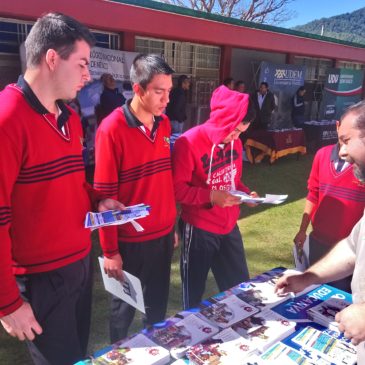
(110, 98)
(176, 108)
(264, 103)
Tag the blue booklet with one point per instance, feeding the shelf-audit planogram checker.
(296, 309)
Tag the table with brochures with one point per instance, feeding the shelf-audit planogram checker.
(248, 324)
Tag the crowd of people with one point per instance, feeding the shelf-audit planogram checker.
(46, 267)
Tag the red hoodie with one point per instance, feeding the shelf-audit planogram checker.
(201, 164)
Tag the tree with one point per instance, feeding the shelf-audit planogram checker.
(259, 11)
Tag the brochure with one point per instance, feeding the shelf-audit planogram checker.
(179, 337)
(130, 290)
(116, 217)
(268, 199)
(264, 329)
(227, 311)
(134, 351)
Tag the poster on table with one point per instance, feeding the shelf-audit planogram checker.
(284, 80)
(342, 88)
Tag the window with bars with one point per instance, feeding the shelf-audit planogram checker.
(13, 33)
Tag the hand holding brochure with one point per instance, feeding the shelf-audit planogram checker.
(130, 290)
(116, 217)
(268, 199)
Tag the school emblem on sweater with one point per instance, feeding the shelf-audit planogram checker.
(167, 141)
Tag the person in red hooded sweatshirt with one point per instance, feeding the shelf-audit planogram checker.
(207, 165)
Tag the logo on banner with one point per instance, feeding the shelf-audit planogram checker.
(333, 78)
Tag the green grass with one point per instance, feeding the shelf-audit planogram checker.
(268, 233)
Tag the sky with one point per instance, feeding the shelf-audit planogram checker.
(308, 10)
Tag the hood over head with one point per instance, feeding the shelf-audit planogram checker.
(228, 108)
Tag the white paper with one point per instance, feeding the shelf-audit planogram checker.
(268, 199)
(130, 290)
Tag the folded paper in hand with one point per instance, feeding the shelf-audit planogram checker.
(268, 199)
(115, 217)
(130, 290)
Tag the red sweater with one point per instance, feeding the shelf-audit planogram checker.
(201, 165)
(339, 197)
(43, 199)
(133, 168)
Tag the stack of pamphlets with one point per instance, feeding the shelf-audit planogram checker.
(178, 337)
(325, 312)
(227, 347)
(264, 329)
(280, 354)
(331, 349)
(226, 312)
(116, 217)
(134, 351)
(268, 199)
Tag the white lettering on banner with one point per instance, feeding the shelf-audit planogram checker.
(117, 63)
(288, 74)
(307, 301)
(333, 78)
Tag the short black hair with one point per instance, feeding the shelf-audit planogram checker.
(181, 80)
(146, 66)
(265, 84)
(227, 81)
(358, 110)
(55, 31)
(238, 83)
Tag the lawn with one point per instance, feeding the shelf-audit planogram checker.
(268, 233)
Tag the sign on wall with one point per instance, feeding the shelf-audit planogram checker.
(343, 88)
(284, 80)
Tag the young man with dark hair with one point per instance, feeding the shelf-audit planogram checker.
(45, 270)
(229, 82)
(176, 108)
(133, 165)
(207, 165)
(347, 256)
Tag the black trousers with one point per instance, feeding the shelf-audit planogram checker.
(61, 302)
(202, 251)
(150, 261)
(316, 251)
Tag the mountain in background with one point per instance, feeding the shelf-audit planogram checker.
(348, 27)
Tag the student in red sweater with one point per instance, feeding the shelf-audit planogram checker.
(133, 165)
(45, 271)
(335, 202)
(207, 164)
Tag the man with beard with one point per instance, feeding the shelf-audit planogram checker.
(347, 257)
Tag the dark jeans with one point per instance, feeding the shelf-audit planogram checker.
(316, 251)
(61, 302)
(150, 261)
(202, 251)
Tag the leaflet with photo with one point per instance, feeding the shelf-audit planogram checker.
(179, 337)
(325, 312)
(264, 329)
(136, 350)
(228, 348)
(227, 311)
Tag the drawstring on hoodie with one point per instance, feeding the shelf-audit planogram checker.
(233, 185)
(210, 165)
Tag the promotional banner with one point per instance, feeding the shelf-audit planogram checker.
(103, 60)
(116, 63)
(284, 80)
(343, 88)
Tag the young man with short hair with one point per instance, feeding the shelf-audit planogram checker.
(45, 270)
(207, 165)
(133, 165)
